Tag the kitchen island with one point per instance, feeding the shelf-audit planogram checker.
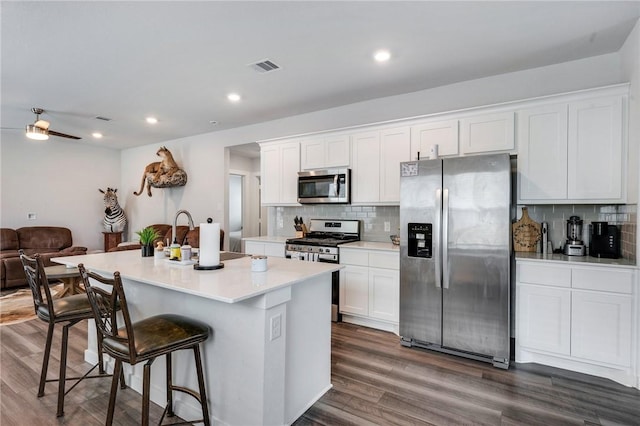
(269, 355)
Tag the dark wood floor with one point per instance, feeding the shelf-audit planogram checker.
(376, 381)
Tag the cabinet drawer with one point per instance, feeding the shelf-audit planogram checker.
(384, 260)
(603, 280)
(544, 274)
(354, 257)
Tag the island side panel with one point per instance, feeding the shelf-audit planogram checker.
(308, 367)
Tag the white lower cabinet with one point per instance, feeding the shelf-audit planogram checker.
(264, 248)
(370, 295)
(577, 317)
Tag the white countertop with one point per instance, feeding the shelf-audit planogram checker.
(267, 239)
(371, 245)
(231, 284)
(579, 260)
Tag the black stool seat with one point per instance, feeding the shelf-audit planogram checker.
(144, 340)
(67, 308)
(158, 335)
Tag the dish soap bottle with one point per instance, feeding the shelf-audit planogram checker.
(174, 250)
(185, 251)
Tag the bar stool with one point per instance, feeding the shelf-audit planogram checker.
(68, 311)
(144, 340)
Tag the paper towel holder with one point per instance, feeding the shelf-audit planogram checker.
(197, 266)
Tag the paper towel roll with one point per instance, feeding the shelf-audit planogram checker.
(209, 254)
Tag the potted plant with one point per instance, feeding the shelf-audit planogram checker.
(147, 236)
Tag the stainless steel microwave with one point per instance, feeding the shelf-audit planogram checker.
(331, 186)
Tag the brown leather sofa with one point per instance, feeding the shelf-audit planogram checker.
(183, 236)
(48, 241)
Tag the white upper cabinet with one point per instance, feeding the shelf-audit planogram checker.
(365, 173)
(280, 163)
(441, 133)
(595, 163)
(572, 152)
(542, 153)
(325, 152)
(376, 158)
(395, 147)
(487, 133)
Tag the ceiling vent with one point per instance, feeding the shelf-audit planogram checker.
(264, 66)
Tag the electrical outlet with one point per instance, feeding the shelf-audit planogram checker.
(31, 216)
(276, 327)
(387, 226)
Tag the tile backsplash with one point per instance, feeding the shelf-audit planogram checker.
(373, 218)
(624, 216)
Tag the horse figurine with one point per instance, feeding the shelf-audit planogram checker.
(114, 217)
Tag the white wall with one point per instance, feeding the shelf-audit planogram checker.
(58, 181)
(81, 170)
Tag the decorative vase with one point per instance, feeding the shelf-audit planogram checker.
(147, 250)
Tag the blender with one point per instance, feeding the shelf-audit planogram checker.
(574, 245)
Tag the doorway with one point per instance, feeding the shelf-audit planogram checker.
(236, 212)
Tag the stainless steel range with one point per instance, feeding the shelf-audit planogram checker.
(322, 241)
(321, 244)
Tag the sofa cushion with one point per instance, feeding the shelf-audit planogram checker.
(8, 239)
(44, 237)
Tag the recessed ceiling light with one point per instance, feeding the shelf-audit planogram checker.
(152, 120)
(96, 135)
(382, 55)
(233, 97)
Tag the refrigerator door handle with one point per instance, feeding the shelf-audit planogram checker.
(438, 238)
(445, 238)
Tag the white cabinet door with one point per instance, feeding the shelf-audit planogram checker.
(384, 294)
(325, 152)
(365, 173)
(601, 327)
(312, 153)
(544, 318)
(274, 249)
(280, 163)
(441, 133)
(395, 147)
(354, 290)
(542, 153)
(254, 247)
(595, 149)
(485, 133)
(290, 166)
(337, 151)
(270, 174)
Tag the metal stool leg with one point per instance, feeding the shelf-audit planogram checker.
(63, 369)
(45, 360)
(146, 385)
(203, 393)
(117, 372)
(170, 412)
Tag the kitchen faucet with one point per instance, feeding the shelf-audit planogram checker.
(175, 221)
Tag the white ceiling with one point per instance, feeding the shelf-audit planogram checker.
(178, 60)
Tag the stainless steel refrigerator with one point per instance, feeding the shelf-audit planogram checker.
(455, 249)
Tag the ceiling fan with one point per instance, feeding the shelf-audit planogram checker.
(40, 129)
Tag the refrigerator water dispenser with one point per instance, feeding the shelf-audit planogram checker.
(419, 240)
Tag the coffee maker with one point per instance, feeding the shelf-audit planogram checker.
(605, 240)
(574, 245)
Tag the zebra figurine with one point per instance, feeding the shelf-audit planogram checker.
(114, 218)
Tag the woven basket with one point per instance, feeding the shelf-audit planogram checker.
(526, 233)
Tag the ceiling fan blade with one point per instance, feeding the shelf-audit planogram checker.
(62, 135)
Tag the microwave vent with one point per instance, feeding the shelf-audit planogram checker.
(265, 66)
